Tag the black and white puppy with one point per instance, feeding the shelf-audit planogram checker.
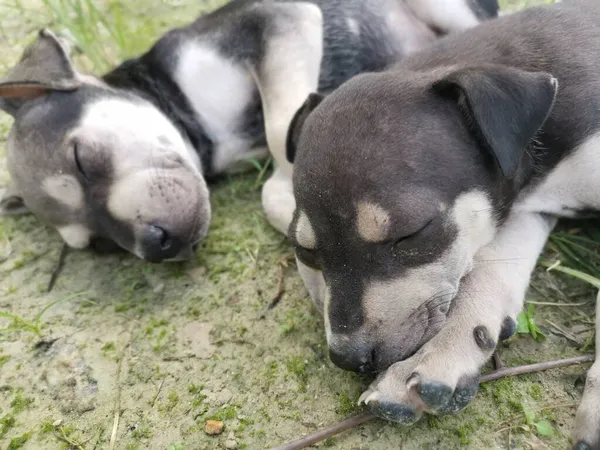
(123, 158)
(425, 194)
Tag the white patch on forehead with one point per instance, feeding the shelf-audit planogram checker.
(64, 189)
(219, 91)
(372, 222)
(75, 235)
(474, 217)
(135, 127)
(305, 233)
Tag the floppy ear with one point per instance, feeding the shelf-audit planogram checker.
(311, 102)
(11, 203)
(504, 107)
(43, 67)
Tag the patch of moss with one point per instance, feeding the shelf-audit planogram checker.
(464, 432)
(3, 360)
(535, 391)
(47, 426)
(6, 423)
(347, 404)
(297, 366)
(142, 432)
(20, 403)
(504, 394)
(227, 412)
(433, 422)
(109, 347)
(196, 391)
(329, 442)
(19, 441)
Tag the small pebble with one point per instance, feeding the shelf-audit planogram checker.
(213, 427)
(231, 444)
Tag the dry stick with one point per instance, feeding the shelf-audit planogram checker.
(59, 266)
(117, 416)
(359, 419)
(280, 290)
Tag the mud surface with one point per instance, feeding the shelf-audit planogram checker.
(144, 355)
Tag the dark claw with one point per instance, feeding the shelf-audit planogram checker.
(483, 339)
(509, 326)
(463, 395)
(434, 394)
(582, 446)
(394, 412)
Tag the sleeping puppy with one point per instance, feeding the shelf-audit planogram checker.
(122, 160)
(425, 194)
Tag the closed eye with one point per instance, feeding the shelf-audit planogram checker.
(78, 160)
(308, 257)
(408, 237)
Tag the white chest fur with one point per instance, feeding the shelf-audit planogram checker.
(573, 185)
(220, 91)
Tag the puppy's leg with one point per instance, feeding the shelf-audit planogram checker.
(443, 376)
(287, 74)
(587, 421)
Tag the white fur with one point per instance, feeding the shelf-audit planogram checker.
(137, 125)
(75, 235)
(219, 90)
(66, 190)
(587, 419)
(278, 200)
(574, 183)
(372, 221)
(289, 73)
(305, 233)
(447, 15)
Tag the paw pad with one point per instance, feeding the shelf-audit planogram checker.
(435, 394)
(463, 395)
(394, 412)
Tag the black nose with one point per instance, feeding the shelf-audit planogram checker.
(357, 360)
(158, 244)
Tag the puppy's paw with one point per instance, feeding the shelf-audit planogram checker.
(442, 378)
(587, 421)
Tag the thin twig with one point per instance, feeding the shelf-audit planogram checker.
(280, 289)
(557, 304)
(115, 427)
(359, 419)
(60, 434)
(59, 266)
(158, 392)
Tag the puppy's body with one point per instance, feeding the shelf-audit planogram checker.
(202, 101)
(426, 193)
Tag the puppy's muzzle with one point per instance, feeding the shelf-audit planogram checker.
(375, 349)
(159, 244)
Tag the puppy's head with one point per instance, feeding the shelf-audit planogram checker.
(399, 179)
(96, 162)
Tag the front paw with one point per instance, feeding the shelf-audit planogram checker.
(442, 378)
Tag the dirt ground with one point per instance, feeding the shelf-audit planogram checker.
(145, 354)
